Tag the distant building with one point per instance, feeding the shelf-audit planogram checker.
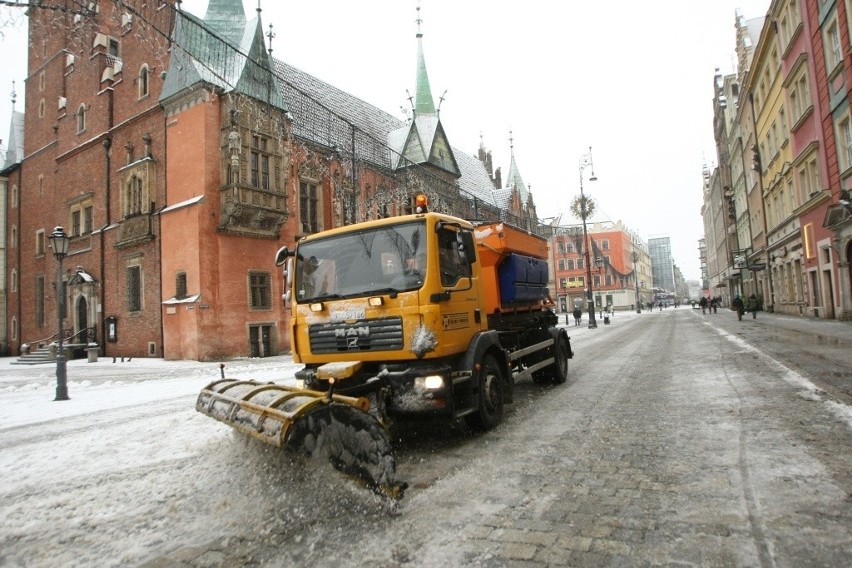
(662, 264)
(618, 263)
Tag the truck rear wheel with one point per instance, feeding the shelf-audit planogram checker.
(557, 373)
(489, 396)
(561, 352)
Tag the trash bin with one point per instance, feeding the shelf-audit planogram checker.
(92, 352)
(606, 320)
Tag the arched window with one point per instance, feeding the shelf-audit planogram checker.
(143, 81)
(81, 118)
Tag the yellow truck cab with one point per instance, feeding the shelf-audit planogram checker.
(429, 315)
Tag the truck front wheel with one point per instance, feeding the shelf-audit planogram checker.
(489, 395)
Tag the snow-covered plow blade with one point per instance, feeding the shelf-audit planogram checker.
(335, 428)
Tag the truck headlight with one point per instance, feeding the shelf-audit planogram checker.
(430, 382)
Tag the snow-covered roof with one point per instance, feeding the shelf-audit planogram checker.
(325, 114)
(221, 53)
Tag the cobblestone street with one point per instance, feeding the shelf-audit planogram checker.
(675, 442)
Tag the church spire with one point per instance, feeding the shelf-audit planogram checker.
(423, 102)
(514, 179)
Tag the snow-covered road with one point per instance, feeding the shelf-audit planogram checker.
(660, 449)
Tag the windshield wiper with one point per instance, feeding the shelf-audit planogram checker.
(323, 297)
(392, 292)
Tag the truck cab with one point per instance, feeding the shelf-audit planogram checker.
(398, 309)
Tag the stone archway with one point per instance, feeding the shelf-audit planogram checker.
(83, 292)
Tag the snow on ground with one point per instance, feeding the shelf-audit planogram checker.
(128, 447)
(809, 390)
(128, 454)
(27, 392)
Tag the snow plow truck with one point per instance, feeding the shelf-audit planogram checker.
(419, 317)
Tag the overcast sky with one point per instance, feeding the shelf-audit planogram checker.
(633, 80)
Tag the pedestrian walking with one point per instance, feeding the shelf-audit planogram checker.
(752, 306)
(578, 314)
(738, 306)
(703, 303)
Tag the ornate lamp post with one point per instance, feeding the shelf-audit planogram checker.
(584, 209)
(59, 242)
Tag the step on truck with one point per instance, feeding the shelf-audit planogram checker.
(420, 317)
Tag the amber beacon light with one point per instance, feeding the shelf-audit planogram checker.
(421, 203)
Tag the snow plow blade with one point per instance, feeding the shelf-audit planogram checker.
(337, 429)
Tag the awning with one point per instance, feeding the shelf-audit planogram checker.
(81, 277)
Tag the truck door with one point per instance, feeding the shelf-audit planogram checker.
(458, 313)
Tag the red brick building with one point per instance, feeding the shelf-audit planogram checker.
(179, 156)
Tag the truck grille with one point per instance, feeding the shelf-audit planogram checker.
(383, 334)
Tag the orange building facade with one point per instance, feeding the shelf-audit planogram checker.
(614, 267)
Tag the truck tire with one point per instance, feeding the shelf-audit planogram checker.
(561, 352)
(489, 396)
(557, 373)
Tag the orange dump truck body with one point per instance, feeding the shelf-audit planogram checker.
(499, 246)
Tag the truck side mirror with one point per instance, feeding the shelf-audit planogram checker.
(288, 281)
(282, 255)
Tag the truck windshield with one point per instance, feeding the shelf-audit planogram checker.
(362, 263)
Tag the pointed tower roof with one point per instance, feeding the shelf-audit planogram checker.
(423, 101)
(226, 52)
(227, 18)
(423, 141)
(15, 149)
(514, 179)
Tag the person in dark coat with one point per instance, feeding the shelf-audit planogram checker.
(738, 305)
(703, 303)
(578, 314)
(752, 306)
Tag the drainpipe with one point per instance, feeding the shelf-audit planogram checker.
(763, 209)
(107, 143)
(164, 161)
(18, 252)
(355, 191)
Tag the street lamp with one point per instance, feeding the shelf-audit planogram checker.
(586, 161)
(59, 242)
